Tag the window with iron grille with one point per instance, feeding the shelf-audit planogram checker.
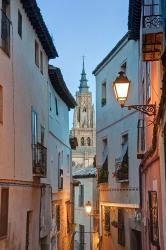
(81, 237)
(121, 227)
(107, 219)
(81, 195)
(151, 13)
(58, 217)
(4, 212)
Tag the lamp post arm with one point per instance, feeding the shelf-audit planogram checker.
(149, 109)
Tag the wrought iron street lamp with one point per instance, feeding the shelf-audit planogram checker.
(121, 88)
(88, 209)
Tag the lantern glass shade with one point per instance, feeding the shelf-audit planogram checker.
(121, 88)
(88, 207)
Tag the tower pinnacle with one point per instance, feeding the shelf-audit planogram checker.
(83, 82)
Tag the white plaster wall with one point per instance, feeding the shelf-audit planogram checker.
(22, 83)
(112, 121)
(58, 142)
(81, 217)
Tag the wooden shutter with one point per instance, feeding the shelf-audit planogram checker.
(4, 211)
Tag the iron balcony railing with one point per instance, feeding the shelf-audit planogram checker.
(39, 160)
(5, 33)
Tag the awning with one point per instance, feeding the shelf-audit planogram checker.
(122, 158)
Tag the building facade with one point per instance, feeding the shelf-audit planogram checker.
(59, 160)
(116, 151)
(84, 127)
(26, 173)
(86, 235)
(147, 19)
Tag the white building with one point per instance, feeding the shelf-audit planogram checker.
(86, 236)
(116, 156)
(25, 171)
(59, 159)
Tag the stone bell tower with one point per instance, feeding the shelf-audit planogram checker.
(84, 127)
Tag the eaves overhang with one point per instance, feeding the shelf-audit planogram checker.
(35, 17)
(60, 87)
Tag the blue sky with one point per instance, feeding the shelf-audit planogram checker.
(83, 27)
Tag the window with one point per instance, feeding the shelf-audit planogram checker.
(153, 223)
(60, 173)
(56, 106)
(81, 195)
(82, 141)
(34, 128)
(50, 102)
(68, 207)
(19, 24)
(1, 104)
(42, 135)
(104, 94)
(4, 212)
(81, 236)
(28, 229)
(121, 228)
(88, 141)
(84, 109)
(5, 27)
(68, 164)
(140, 138)
(107, 219)
(41, 61)
(148, 82)
(78, 115)
(58, 217)
(37, 53)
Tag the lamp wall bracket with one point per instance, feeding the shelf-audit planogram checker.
(149, 109)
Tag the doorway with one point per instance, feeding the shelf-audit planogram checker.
(136, 240)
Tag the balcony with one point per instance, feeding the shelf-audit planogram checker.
(152, 40)
(121, 169)
(39, 160)
(102, 176)
(5, 33)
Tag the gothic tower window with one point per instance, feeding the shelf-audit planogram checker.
(78, 115)
(84, 109)
(82, 141)
(88, 141)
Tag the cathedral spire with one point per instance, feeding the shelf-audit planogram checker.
(83, 82)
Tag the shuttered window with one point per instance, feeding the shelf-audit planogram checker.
(58, 217)
(81, 195)
(4, 212)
